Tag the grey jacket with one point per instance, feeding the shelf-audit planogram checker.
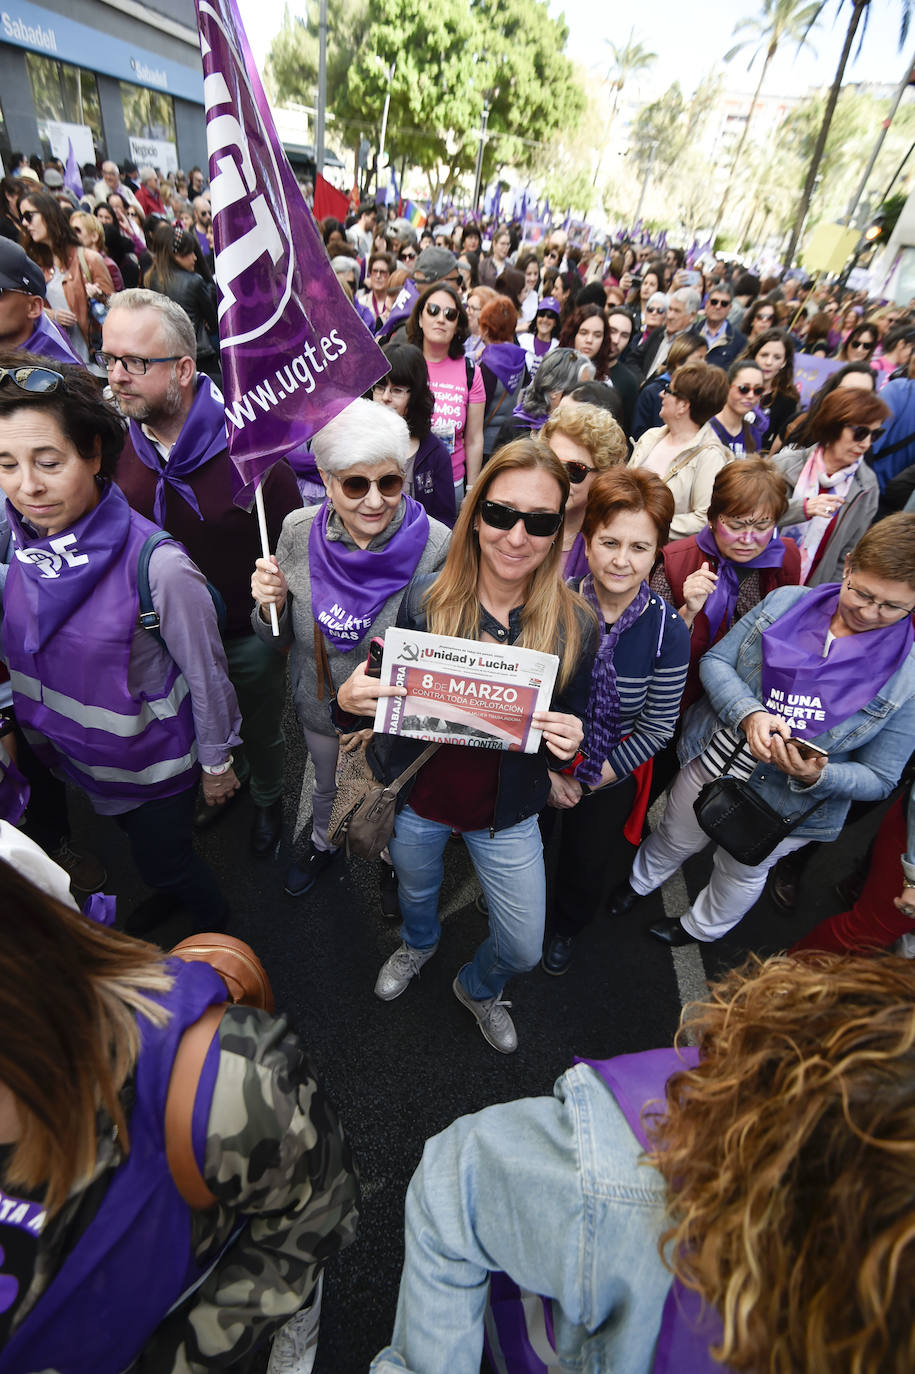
(856, 515)
(297, 621)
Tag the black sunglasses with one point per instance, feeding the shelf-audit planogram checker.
(575, 471)
(34, 379)
(27, 215)
(538, 523)
(391, 484)
(717, 300)
(746, 389)
(449, 311)
(669, 391)
(860, 432)
(859, 343)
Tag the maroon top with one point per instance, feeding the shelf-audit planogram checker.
(225, 544)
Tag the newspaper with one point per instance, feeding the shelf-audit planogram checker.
(461, 691)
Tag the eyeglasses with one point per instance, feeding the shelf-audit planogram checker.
(859, 343)
(408, 257)
(34, 379)
(398, 392)
(669, 391)
(28, 215)
(886, 608)
(539, 524)
(747, 389)
(738, 526)
(861, 432)
(718, 300)
(137, 367)
(575, 471)
(449, 311)
(391, 484)
(655, 310)
(764, 319)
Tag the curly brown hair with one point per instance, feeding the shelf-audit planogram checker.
(789, 1158)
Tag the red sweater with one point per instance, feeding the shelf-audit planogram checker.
(225, 543)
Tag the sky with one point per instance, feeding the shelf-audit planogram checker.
(690, 40)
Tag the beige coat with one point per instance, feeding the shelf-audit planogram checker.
(691, 477)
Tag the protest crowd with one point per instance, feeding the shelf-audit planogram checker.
(690, 487)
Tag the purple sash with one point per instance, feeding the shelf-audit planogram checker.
(202, 436)
(722, 600)
(534, 421)
(506, 361)
(815, 694)
(350, 586)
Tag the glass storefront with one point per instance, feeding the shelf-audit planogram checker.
(63, 94)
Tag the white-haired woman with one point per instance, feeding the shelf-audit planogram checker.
(337, 579)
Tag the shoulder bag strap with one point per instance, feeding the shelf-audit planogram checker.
(322, 667)
(414, 768)
(179, 1108)
(83, 264)
(790, 824)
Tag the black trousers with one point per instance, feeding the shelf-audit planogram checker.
(594, 855)
(161, 841)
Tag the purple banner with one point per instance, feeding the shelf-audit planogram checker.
(810, 372)
(294, 352)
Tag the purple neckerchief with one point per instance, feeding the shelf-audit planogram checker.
(46, 341)
(400, 310)
(507, 361)
(576, 563)
(722, 600)
(14, 790)
(368, 317)
(61, 571)
(532, 421)
(202, 436)
(815, 694)
(602, 722)
(350, 586)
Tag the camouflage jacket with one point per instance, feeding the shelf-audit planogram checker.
(281, 1169)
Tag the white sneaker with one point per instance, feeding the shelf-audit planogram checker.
(295, 1345)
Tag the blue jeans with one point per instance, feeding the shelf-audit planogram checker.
(509, 866)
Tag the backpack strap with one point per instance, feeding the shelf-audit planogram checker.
(470, 368)
(149, 616)
(179, 1108)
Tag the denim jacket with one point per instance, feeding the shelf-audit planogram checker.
(551, 1191)
(867, 752)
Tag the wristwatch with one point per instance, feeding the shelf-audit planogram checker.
(216, 770)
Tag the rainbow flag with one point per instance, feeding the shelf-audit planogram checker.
(414, 214)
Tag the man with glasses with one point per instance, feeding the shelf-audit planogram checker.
(24, 322)
(203, 224)
(725, 342)
(682, 306)
(175, 470)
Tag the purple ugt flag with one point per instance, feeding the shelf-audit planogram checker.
(294, 351)
(72, 179)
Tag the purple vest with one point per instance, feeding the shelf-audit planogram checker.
(70, 683)
(133, 1262)
(522, 1341)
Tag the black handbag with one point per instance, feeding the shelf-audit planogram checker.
(739, 820)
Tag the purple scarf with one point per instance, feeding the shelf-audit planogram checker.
(532, 421)
(815, 694)
(202, 436)
(507, 362)
(350, 586)
(720, 604)
(61, 571)
(576, 564)
(602, 722)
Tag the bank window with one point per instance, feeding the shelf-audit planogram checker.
(148, 114)
(63, 93)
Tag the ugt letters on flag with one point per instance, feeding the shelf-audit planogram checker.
(294, 352)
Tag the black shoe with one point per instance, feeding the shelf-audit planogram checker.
(622, 899)
(151, 912)
(301, 878)
(670, 932)
(390, 906)
(557, 956)
(266, 828)
(784, 881)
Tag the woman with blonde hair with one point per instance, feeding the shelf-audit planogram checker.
(776, 1189)
(587, 440)
(105, 1260)
(501, 584)
(91, 234)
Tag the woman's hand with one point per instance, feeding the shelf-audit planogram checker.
(218, 787)
(358, 695)
(65, 318)
(562, 733)
(905, 902)
(564, 792)
(351, 742)
(269, 586)
(760, 728)
(626, 282)
(822, 504)
(94, 292)
(697, 589)
(788, 759)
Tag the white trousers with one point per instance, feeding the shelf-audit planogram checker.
(733, 887)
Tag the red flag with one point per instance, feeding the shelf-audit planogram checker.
(328, 201)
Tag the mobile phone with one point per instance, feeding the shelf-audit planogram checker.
(635, 279)
(376, 653)
(807, 750)
(692, 278)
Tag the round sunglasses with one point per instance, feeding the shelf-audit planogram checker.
(861, 432)
(449, 311)
(355, 487)
(538, 523)
(746, 389)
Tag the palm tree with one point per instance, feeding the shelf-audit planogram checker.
(778, 20)
(625, 61)
(859, 11)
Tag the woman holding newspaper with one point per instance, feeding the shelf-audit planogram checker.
(501, 584)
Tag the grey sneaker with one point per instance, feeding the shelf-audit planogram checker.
(398, 971)
(492, 1018)
(295, 1345)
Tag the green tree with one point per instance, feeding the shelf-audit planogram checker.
(778, 20)
(626, 60)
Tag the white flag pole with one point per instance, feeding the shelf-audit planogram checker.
(265, 545)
